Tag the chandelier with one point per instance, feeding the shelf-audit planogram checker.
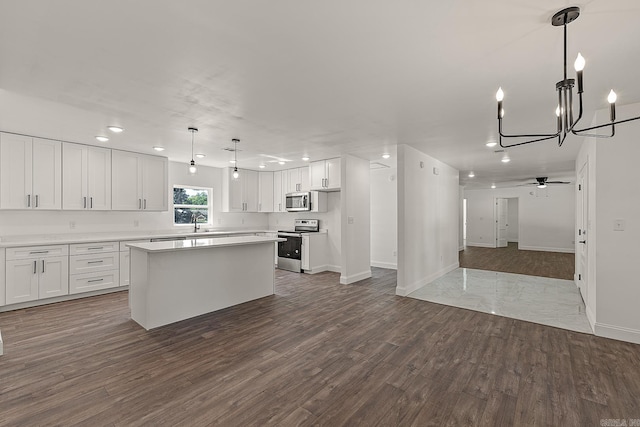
(566, 118)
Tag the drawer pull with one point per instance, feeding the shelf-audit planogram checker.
(39, 252)
(95, 262)
(94, 249)
(95, 280)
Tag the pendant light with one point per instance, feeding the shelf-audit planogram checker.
(566, 118)
(192, 166)
(236, 174)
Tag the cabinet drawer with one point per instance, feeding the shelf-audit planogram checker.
(37, 252)
(92, 248)
(79, 283)
(79, 264)
(125, 248)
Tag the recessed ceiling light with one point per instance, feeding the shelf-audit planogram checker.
(281, 163)
(471, 174)
(493, 186)
(305, 159)
(386, 155)
(102, 138)
(200, 155)
(115, 129)
(262, 166)
(491, 144)
(158, 148)
(506, 160)
(232, 161)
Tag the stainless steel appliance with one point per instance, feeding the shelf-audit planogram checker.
(290, 252)
(296, 202)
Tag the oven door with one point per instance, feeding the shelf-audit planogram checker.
(291, 248)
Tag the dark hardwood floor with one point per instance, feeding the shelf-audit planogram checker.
(315, 353)
(511, 260)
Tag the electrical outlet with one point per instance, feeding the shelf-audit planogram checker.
(72, 224)
(618, 225)
(350, 220)
(395, 253)
(136, 223)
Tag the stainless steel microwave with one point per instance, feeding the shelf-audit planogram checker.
(296, 202)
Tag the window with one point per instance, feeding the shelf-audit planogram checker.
(189, 201)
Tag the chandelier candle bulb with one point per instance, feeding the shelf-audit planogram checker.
(579, 66)
(499, 98)
(612, 102)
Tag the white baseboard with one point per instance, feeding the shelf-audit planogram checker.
(617, 333)
(590, 317)
(389, 265)
(1, 345)
(323, 268)
(460, 248)
(481, 245)
(545, 249)
(70, 297)
(346, 280)
(406, 290)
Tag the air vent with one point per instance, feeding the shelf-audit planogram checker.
(231, 149)
(499, 151)
(377, 165)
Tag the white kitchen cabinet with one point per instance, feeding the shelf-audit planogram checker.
(3, 276)
(139, 182)
(125, 260)
(265, 192)
(86, 177)
(30, 173)
(93, 266)
(240, 194)
(325, 175)
(314, 250)
(279, 202)
(298, 180)
(36, 273)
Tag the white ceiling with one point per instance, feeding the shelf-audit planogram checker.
(319, 78)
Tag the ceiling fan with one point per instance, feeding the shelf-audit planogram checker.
(541, 182)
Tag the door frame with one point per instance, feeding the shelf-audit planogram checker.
(582, 226)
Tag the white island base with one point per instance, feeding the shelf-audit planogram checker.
(177, 280)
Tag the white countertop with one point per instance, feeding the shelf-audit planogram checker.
(177, 245)
(62, 239)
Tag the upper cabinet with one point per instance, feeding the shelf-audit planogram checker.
(325, 175)
(240, 194)
(265, 192)
(279, 191)
(298, 180)
(139, 182)
(86, 177)
(30, 173)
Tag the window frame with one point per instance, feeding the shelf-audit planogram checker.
(208, 207)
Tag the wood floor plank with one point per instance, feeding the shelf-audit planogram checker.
(316, 353)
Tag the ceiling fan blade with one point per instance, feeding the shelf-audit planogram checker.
(558, 182)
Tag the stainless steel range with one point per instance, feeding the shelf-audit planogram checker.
(290, 252)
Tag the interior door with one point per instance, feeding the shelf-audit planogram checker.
(582, 225)
(502, 213)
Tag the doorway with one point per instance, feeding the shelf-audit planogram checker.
(507, 226)
(582, 222)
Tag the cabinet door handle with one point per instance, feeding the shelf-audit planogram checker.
(84, 202)
(28, 200)
(279, 207)
(37, 201)
(95, 262)
(95, 280)
(43, 266)
(38, 252)
(95, 248)
(145, 203)
(259, 206)
(139, 203)
(35, 263)
(91, 202)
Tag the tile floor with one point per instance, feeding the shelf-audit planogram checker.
(552, 302)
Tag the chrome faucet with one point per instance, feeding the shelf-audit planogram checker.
(194, 219)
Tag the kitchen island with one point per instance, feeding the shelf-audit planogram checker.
(176, 280)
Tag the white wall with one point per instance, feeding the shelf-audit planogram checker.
(384, 218)
(30, 222)
(617, 197)
(546, 217)
(329, 220)
(461, 218)
(428, 219)
(356, 220)
(512, 220)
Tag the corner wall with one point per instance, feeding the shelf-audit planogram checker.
(356, 220)
(428, 219)
(384, 218)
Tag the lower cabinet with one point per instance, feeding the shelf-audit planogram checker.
(94, 266)
(34, 273)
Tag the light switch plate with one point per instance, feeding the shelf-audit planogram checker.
(350, 220)
(619, 224)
